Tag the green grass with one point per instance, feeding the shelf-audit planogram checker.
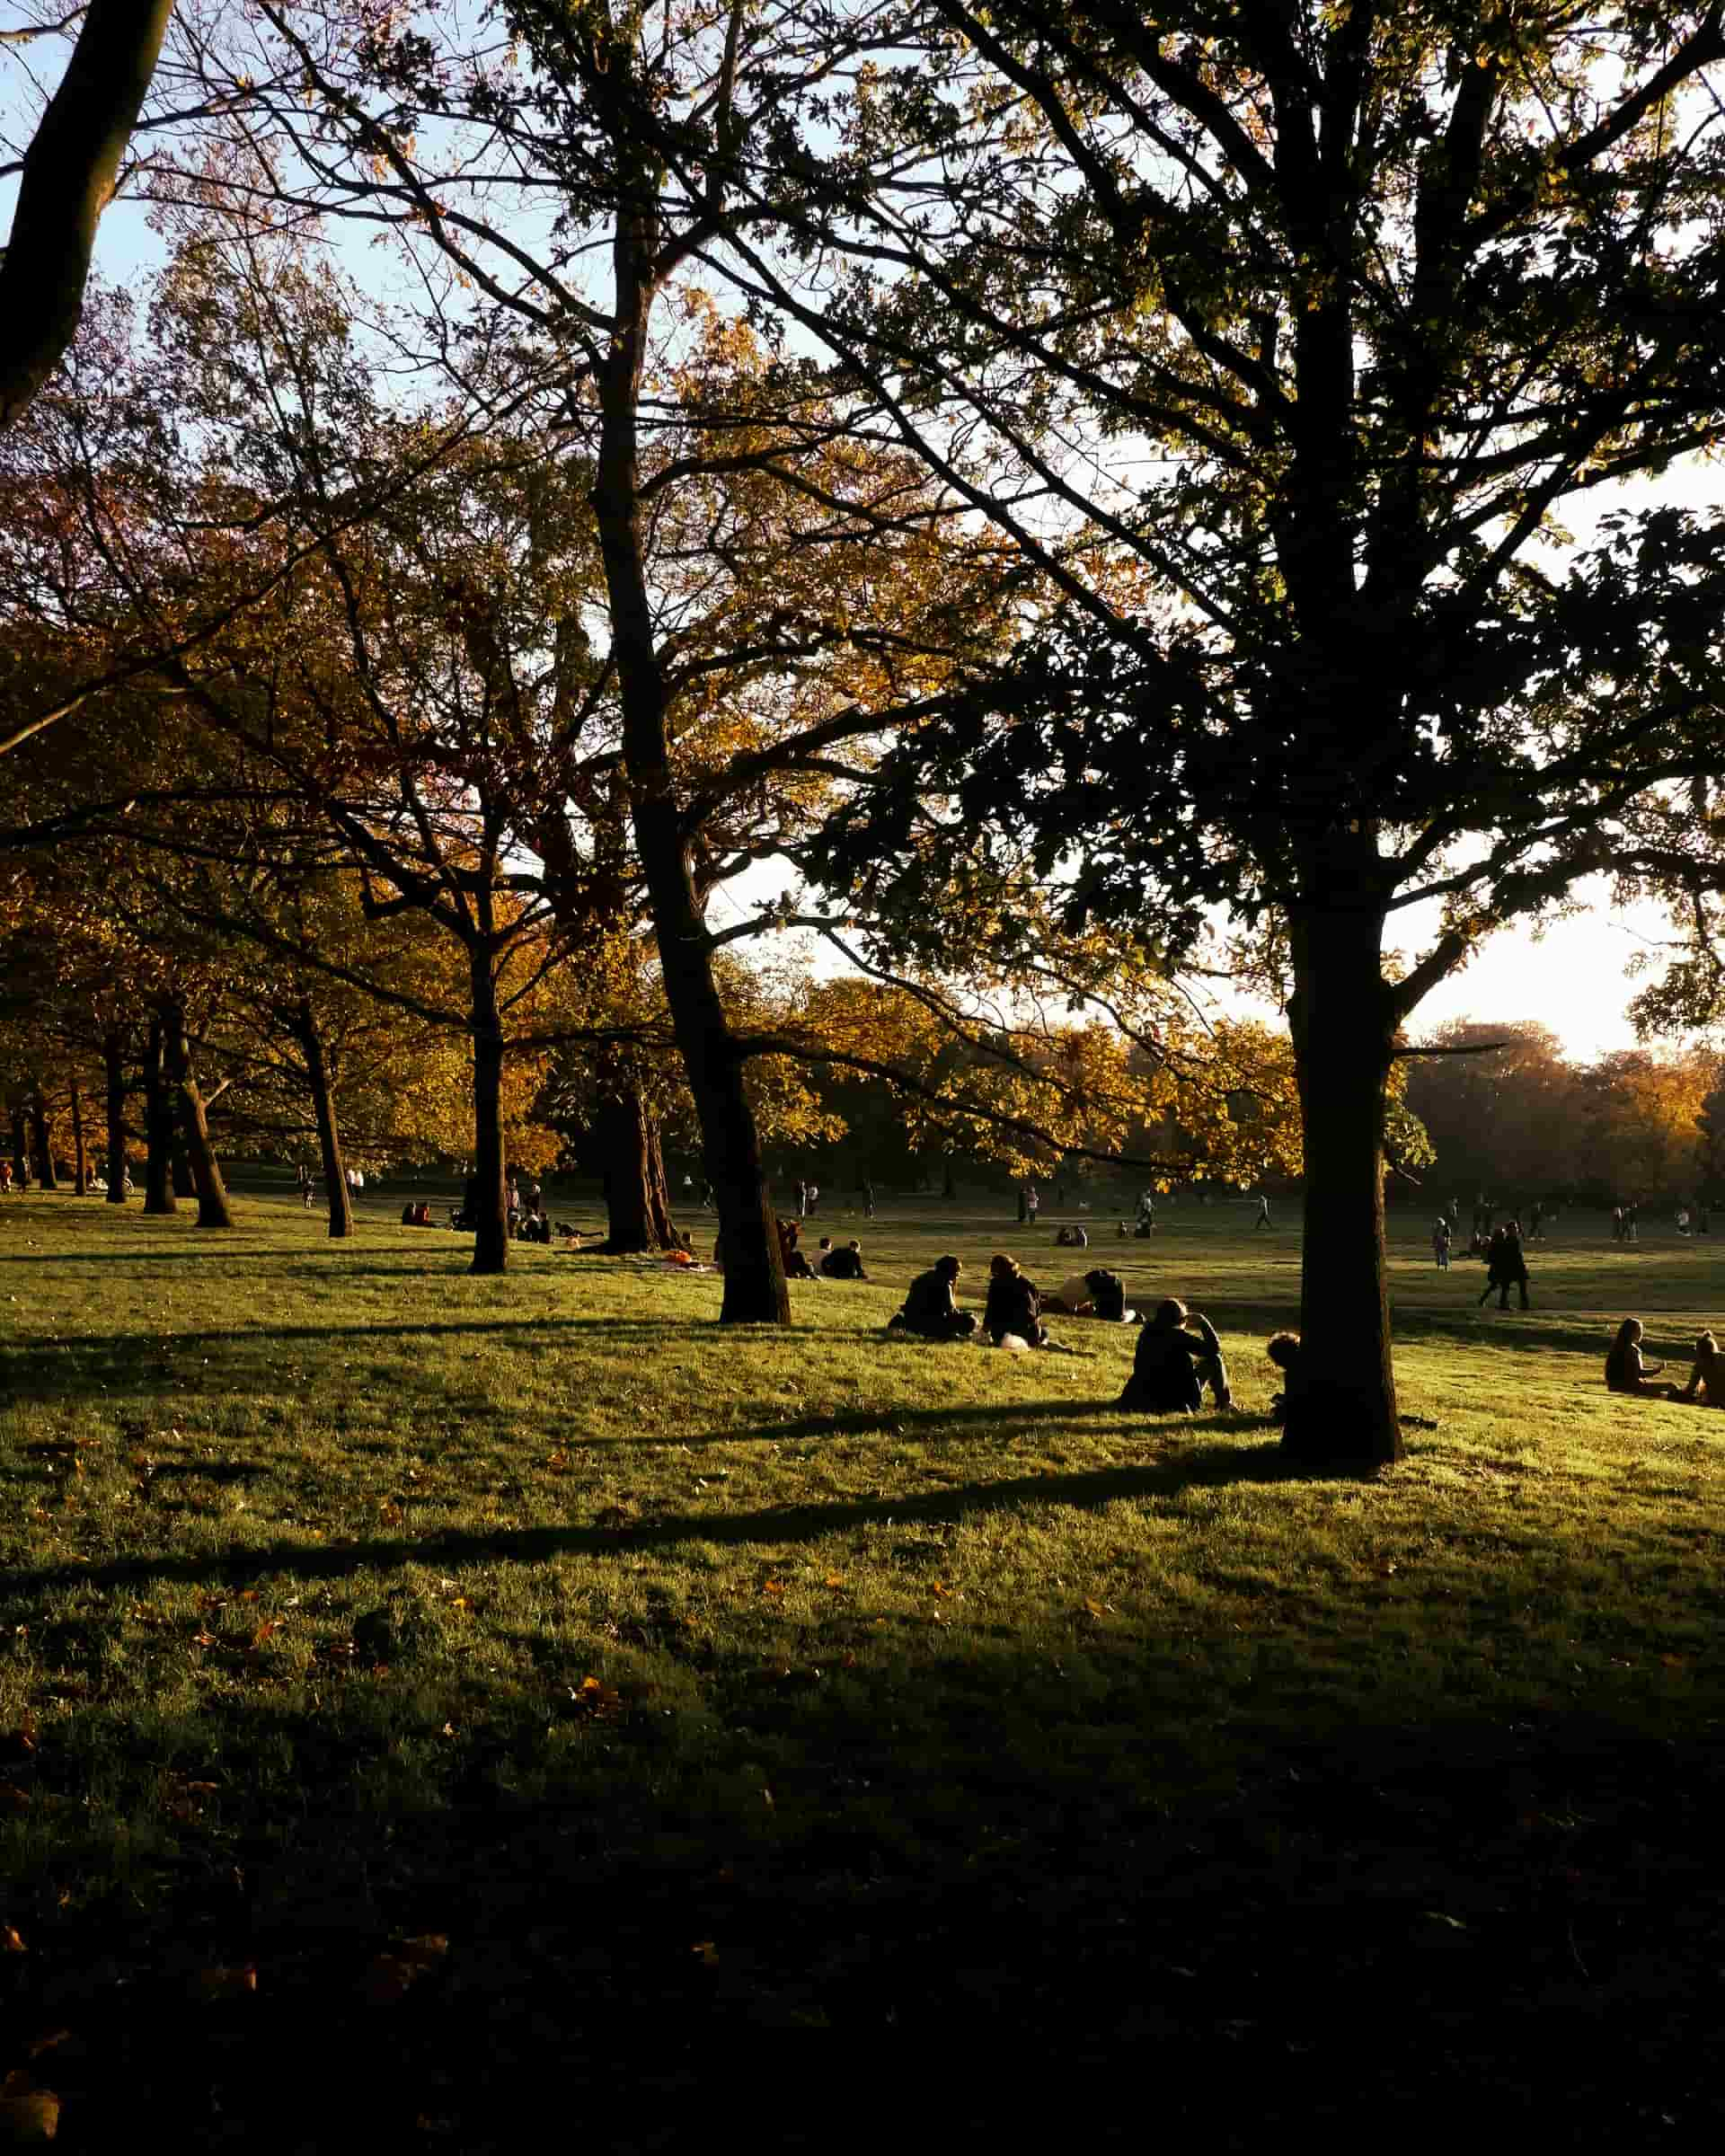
(348, 1598)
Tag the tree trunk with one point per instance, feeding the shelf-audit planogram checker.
(114, 1066)
(949, 1188)
(158, 1125)
(213, 1209)
(40, 1143)
(491, 1229)
(19, 1149)
(329, 1137)
(80, 1177)
(180, 1166)
(731, 1148)
(637, 1199)
(1343, 1411)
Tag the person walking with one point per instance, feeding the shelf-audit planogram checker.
(1263, 1220)
(1440, 1244)
(868, 1199)
(1032, 1202)
(1506, 1267)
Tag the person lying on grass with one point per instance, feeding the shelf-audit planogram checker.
(1097, 1293)
(1627, 1370)
(1013, 1306)
(1172, 1366)
(1707, 1379)
(931, 1307)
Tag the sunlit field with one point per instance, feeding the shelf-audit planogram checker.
(492, 1679)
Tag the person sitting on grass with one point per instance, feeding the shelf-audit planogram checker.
(1070, 1238)
(1627, 1370)
(1707, 1379)
(1013, 1305)
(796, 1266)
(1172, 1366)
(1284, 1350)
(845, 1263)
(1097, 1293)
(931, 1307)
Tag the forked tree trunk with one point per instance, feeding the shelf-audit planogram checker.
(329, 1136)
(39, 1144)
(114, 1068)
(637, 1198)
(158, 1124)
(80, 1177)
(213, 1208)
(491, 1229)
(731, 1150)
(1343, 1411)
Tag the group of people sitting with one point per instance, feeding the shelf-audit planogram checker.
(840, 1261)
(1628, 1370)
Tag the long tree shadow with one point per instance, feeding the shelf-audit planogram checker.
(1205, 1466)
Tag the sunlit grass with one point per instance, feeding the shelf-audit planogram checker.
(312, 1550)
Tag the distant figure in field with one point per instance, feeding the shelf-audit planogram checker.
(1263, 1219)
(931, 1307)
(814, 1199)
(1701, 1221)
(845, 1263)
(868, 1199)
(1172, 1366)
(1506, 1266)
(1628, 1371)
(5, 1175)
(1013, 1305)
(1147, 1221)
(1070, 1238)
(802, 1199)
(1683, 1220)
(1032, 1202)
(1439, 1244)
(1707, 1379)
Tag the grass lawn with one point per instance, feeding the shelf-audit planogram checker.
(419, 1695)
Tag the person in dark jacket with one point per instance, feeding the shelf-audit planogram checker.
(1707, 1379)
(1012, 1306)
(845, 1263)
(1172, 1366)
(1505, 1267)
(931, 1307)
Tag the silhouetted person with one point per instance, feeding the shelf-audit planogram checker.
(845, 1263)
(931, 1307)
(1707, 1379)
(1012, 1305)
(1506, 1266)
(1626, 1368)
(1172, 1366)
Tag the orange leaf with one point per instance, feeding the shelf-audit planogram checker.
(833, 1580)
(226, 1983)
(772, 1587)
(11, 1941)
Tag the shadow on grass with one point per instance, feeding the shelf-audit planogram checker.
(1202, 1466)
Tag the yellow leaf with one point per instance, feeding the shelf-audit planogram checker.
(11, 1941)
(833, 1580)
(772, 1587)
(1096, 1609)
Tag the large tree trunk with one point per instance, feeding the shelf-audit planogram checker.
(39, 1143)
(80, 1175)
(1342, 1409)
(158, 1124)
(180, 1166)
(113, 1065)
(329, 1137)
(491, 1229)
(730, 1149)
(637, 1199)
(213, 1209)
(19, 1149)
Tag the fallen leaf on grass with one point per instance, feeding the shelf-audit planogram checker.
(211, 1984)
(834, 1580)
(1093, 1608)
(594, 1696)
(772, 1587)
(28, 2114)
(11, 1941)
(390, 1512)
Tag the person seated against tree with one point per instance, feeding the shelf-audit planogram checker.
(1707, 1379)
(1284, 1350)
(1627, 1370)
(1172, 1366)
(1013, 1306)
(845, 1263)
(535, 1227)
(1070, 1238)
(931, 1306)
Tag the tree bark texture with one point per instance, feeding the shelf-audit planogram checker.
(329, 1136)
(213, 1208)
(113, 1063)
(19, 1149)
(39, 1144)
(158, 1124)
(492, 1229)
(637, 1198)
(68, 175)
(180, 1167)
(754, 1289)
(80, 1171)
(1343, 1410)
